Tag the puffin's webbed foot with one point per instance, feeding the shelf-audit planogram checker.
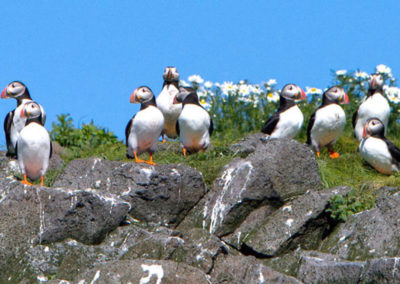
(25, 181)
(184, 151)
(333, 154)
(137, 160)
(150, 162)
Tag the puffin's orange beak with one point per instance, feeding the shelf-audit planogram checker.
(302, 95)
(170, 76)
(345, 99)
(373, 83)
(4, 93)
(364, 131)
(133, 98)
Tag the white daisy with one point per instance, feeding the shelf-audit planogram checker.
(341, 72)
(208, 84)
(272, 97)
(382, 68)
(313, 90)
(195, 79)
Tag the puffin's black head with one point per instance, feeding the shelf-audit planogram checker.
(293, 92)
(171, 74)
(376, 82)
(142, 94)
(374, 127)
(183, 93)
(30, 110)
(336, 95)
(16, 90)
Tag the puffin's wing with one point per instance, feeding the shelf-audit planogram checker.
(51, 150)
(211, 128)
(270, 124)
(394, 151)
(177, 127)
(128, 129)
(355, 115)
(42, 115)
(310, 126)
(7, 127)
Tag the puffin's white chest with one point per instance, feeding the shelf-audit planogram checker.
(33, 150)
(290, 122)
(170, 110)
(375, 106)
(194, 123)
(376, 153)
(146, 128)
(329, 123)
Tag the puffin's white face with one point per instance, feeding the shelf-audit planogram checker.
(293, 92)
(141, 95)
(376, 81)
(13, 90)
(171, 74)
(372, 127)
(183, 93)
(30, 110)
(337, 94)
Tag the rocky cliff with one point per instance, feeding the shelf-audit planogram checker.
(264, 220)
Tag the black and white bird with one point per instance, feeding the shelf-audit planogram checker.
(328, 121)
(374, 104)
(377, 150)
(165, 102)
(194, 124)
(13, 123)
(33, 145)
(288, 120)
(144, 129)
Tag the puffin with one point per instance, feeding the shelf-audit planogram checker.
(377, 150)
(144, 129)
(327, 121)
(288, 120)
(13, 123)
(374, 104)
(165, 102)
(33, 146)
(194, 124)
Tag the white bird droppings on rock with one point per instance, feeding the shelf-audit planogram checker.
(309, 213)
(175, 172)
(97, 184)
(155, 269)
(96, 277)
(287, 208)
(289, 222)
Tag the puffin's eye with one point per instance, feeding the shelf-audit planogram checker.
(13, 85)
(290, 88)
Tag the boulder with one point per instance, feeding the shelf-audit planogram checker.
(241, 269)
(369, 234)
(323, 268)
(382, 270)
(161, 194)
(296, 223)
(247, 145)
(32, 215)
(278, 170)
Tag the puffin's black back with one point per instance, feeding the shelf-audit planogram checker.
(270, 124)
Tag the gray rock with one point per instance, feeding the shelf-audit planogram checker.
(141, 271)
(34, 215)
(240, 269)
(322, 268)
(383, 270)
(288, 226)
(369, 234)
(247, 145)
(276, 172)
(160, 194)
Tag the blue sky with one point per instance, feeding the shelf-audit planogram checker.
(86, 57)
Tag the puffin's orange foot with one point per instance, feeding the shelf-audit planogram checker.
(150, 162)
(163, 140)
(184, 152)
(137, 160)
(41, 181)
(317, 154)
(25, 181)
(334, 155)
